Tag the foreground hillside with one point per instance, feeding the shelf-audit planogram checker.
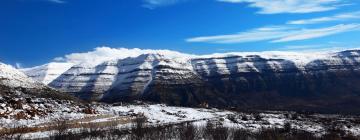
(23, 98)
(321, 82)
(146, 121)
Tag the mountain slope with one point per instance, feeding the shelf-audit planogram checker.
(23, 98)
(261, 80)
(48, 72)
(11, 77)
(14, 83)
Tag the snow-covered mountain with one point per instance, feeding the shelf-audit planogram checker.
(48, 72)
(16, 84)
(11, 77)
(132, 74)
(220, 79)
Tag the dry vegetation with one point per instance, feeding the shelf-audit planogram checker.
(60, 127)
(184, 131)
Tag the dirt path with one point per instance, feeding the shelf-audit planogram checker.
(94, 122)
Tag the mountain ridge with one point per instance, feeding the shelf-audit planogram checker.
(230, 79)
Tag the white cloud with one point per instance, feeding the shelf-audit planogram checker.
(151, 4)
(290, 6)
(98, 55)
(102, 54)
(276, 34)
(338, 17)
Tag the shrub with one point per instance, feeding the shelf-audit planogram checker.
(138, 129)
(188, 132)
(295, 116)
(232, 118)
(209, 128)
(287, 127)
(244, 118)
(60, 126)
(240, 134)
(257, 117)
(220, 133)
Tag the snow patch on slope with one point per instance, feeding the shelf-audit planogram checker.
(48, 72)
(299, 58)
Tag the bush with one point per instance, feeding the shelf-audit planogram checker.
(257, 117)
(61, 126)
(269, 134)
(138, 129)
(295, 116)
(208, 130)
(232, 118)
(188, 132)
(244, 118)
(240, 134)
(287, 127)
(220, 133)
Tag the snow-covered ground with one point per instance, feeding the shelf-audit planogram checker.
(165, 114)
(159, 114)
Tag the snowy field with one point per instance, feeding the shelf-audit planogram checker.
(121, 117)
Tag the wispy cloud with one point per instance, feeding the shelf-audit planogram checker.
(259, 34)
(151, 4)
(301, 47)
(277, 34)
(317, 33)
(56, 1)
(18, 65)
(330, 46)
(319, 49)
(290, 6)
(338, 17)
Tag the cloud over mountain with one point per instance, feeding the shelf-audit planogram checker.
(101, 54)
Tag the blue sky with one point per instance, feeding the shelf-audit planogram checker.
(34, 32)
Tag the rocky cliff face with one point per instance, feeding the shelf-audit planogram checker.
(326, 83)
(263, 80)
